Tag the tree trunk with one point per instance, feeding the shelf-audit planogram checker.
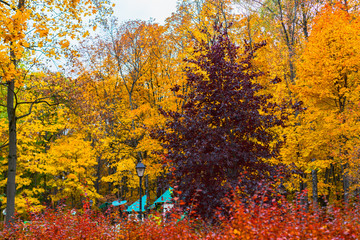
(12, 158)
(98, 174)
(304, 21)
(346, 183)
(109, 183)
(314, 185)
(303, 196)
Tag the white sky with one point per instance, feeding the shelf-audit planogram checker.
(144, 9)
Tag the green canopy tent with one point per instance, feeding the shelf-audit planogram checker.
(104, 205)
(135, 206)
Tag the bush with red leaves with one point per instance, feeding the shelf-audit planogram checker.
(259, 219)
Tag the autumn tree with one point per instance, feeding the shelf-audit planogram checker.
(286, 26)
(325, 137)
(29, 30)
(224, 129)
(124, 75)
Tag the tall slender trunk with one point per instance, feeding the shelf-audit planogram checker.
(314, 184)
(12, 158)
(109, 184)
(346, 182)
(304, 21)
(98, 174)
(326, 181)
(304, 195)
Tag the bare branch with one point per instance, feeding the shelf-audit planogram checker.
(4, 145)
(32, 102)
(40, 100)
(3, 2)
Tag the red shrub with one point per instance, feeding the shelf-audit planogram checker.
(275, 220)
(283, 220)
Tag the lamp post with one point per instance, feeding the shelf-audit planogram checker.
(140, 170)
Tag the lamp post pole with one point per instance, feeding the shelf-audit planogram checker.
(140, 205)
(90, 203)
(140, 169)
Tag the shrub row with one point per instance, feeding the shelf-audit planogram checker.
(275, 220)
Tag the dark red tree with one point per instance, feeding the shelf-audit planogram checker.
(220, 134)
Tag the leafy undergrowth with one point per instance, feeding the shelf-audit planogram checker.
(256, 221)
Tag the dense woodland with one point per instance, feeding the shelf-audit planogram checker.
(84, 98)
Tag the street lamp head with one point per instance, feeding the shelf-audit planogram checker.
(140, 169)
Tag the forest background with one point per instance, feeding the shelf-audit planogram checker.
(76, 131)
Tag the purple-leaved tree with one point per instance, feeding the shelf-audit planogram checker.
(221, 133)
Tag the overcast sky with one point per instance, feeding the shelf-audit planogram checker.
(144, 9)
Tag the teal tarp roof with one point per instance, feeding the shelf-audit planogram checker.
(117, 203)
(135, 206)
(165, 197)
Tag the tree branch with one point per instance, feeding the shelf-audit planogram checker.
(3, 2)
(32, 102)
(4, 145)
(40, 100)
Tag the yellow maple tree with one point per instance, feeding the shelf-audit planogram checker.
(29, 30)
(328, 82)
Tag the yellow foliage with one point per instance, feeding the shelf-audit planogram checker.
(327, 71)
